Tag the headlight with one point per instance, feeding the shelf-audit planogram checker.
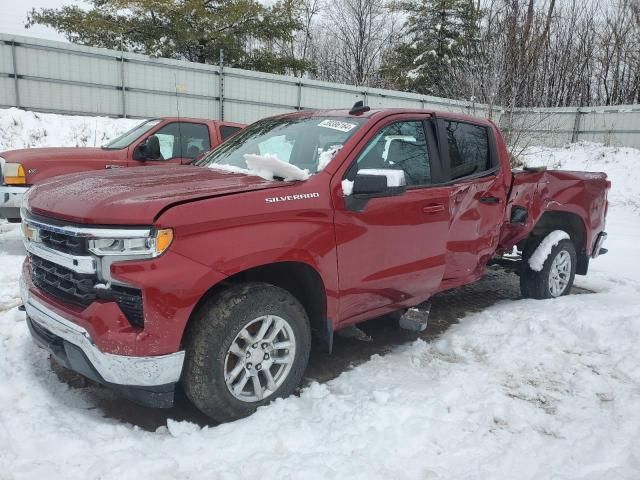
(14, 174)
(153, 246)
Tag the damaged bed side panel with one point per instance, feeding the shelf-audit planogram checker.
(581, 195)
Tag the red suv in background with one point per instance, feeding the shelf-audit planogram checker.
(161, 141)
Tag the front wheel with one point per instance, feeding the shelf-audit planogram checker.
(245, 348)
(556, 276)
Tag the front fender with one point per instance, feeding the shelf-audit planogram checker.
(234, 233)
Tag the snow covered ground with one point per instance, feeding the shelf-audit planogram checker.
(525, 389)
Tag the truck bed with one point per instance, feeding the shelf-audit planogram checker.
(534, 193)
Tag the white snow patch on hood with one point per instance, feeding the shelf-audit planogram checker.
(536, 261)
(265, 166)
(270, 166)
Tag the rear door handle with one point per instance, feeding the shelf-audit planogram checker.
(435, 208)
(489, 199)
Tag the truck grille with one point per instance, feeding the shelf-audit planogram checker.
(62, 283)
(64, 243)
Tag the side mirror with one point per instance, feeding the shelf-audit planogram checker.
(372, 183)
(149, 150)
(153, 148)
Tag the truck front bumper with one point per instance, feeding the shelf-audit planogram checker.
(10, 201)
(148, 380)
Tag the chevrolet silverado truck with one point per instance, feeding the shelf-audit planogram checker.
(159, 141)
(216, 276)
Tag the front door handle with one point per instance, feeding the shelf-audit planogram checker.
(490, 199)
(435, 208)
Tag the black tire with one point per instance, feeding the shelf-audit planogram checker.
(210, 335)
(536, 284)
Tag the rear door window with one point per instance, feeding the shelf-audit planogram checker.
(469, 152)
(227, 130)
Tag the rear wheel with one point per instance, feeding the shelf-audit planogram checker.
(557, 274)
(245, 348)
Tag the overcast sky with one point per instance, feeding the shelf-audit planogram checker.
(13, 15)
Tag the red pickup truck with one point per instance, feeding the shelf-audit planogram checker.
(166, 140)
(215, 275)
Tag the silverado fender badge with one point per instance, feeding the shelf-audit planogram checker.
(113, 166)
(289, 198)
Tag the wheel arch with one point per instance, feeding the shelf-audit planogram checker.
(571, 223)
(298, 278)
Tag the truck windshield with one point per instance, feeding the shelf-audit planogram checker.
(132, 135)
(308, 143)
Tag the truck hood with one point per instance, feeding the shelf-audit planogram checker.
(133, 196)
(31, 157)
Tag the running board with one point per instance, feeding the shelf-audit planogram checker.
(416, 319)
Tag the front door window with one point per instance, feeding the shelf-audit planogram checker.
(183, 140)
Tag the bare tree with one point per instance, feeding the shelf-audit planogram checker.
(352, 38)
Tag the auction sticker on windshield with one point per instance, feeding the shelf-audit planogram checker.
(337, 125)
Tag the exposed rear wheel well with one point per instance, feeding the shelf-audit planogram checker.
(299, 279)
(570, 223)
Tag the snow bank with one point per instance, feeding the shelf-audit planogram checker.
(270, 166)
(536, 261)
(23, 129)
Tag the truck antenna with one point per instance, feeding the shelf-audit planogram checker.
(359, 108)
(175, 83)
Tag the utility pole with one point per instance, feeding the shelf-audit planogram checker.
(221, 85)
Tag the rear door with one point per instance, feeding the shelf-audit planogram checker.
(477, 197)
(180, 143)
(392, 253)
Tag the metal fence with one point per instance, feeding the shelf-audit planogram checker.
(65, 78)
(58, 77)
(616, 126)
